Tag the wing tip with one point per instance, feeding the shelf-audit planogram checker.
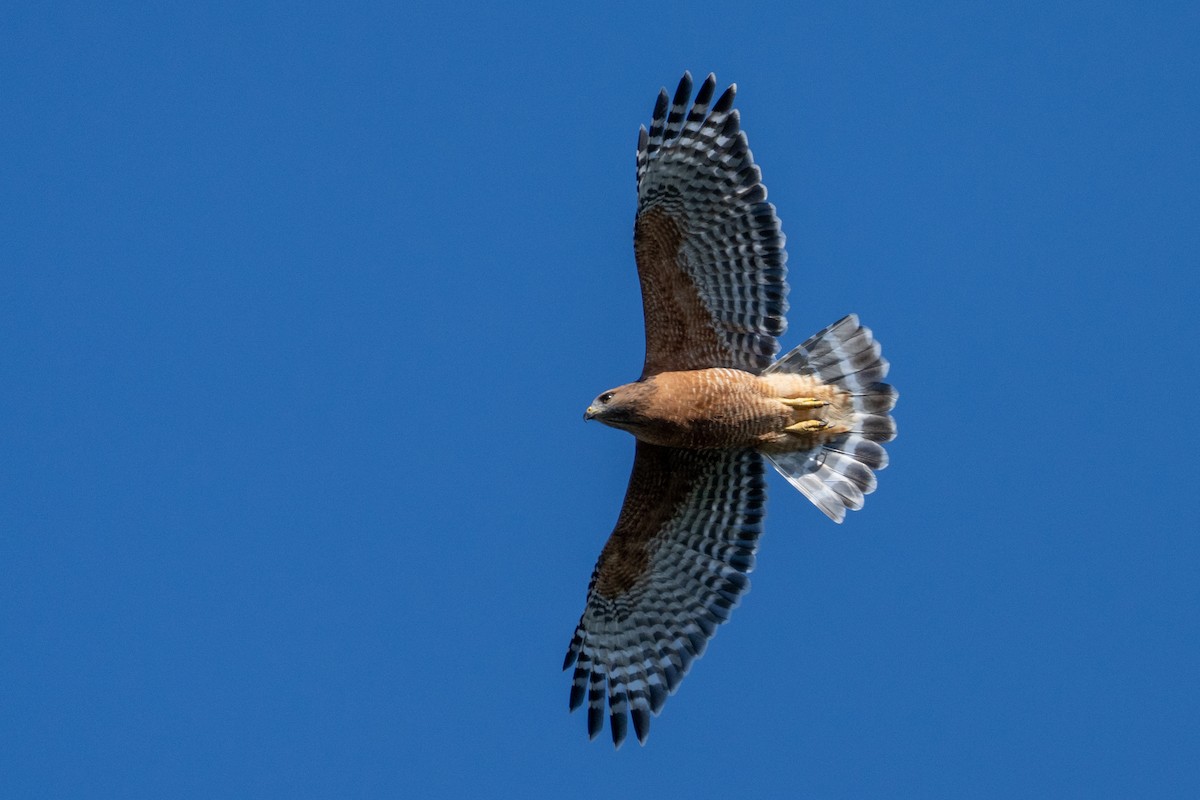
(725, 101)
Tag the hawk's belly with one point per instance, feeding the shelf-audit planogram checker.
(712, 408)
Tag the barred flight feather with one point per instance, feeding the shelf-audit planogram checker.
(632, 648)
(836, 475)
(701, 199)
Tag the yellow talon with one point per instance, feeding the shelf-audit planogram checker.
(804, 402)
(808, 426)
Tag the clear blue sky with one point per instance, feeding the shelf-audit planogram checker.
(301, 306)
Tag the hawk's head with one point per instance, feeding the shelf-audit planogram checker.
(623, 407)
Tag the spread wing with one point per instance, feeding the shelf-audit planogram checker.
(671, 572)
(710, 253)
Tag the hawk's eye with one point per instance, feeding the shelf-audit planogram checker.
(604, 398)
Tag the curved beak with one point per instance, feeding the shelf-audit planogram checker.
(589, 414)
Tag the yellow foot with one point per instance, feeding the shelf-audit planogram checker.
(803, 402)
(807, 426)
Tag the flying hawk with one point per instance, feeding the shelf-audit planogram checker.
(711, 402)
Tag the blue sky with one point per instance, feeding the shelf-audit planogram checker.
(301, 306)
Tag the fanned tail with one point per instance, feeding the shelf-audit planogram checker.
(837, 475)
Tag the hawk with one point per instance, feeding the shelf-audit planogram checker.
(710, 404)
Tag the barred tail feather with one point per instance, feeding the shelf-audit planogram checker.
(838, 474)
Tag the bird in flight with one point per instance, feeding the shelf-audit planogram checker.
(712, 401)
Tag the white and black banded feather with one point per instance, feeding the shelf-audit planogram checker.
(632, 648)
(694, 166)
(837, 475)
